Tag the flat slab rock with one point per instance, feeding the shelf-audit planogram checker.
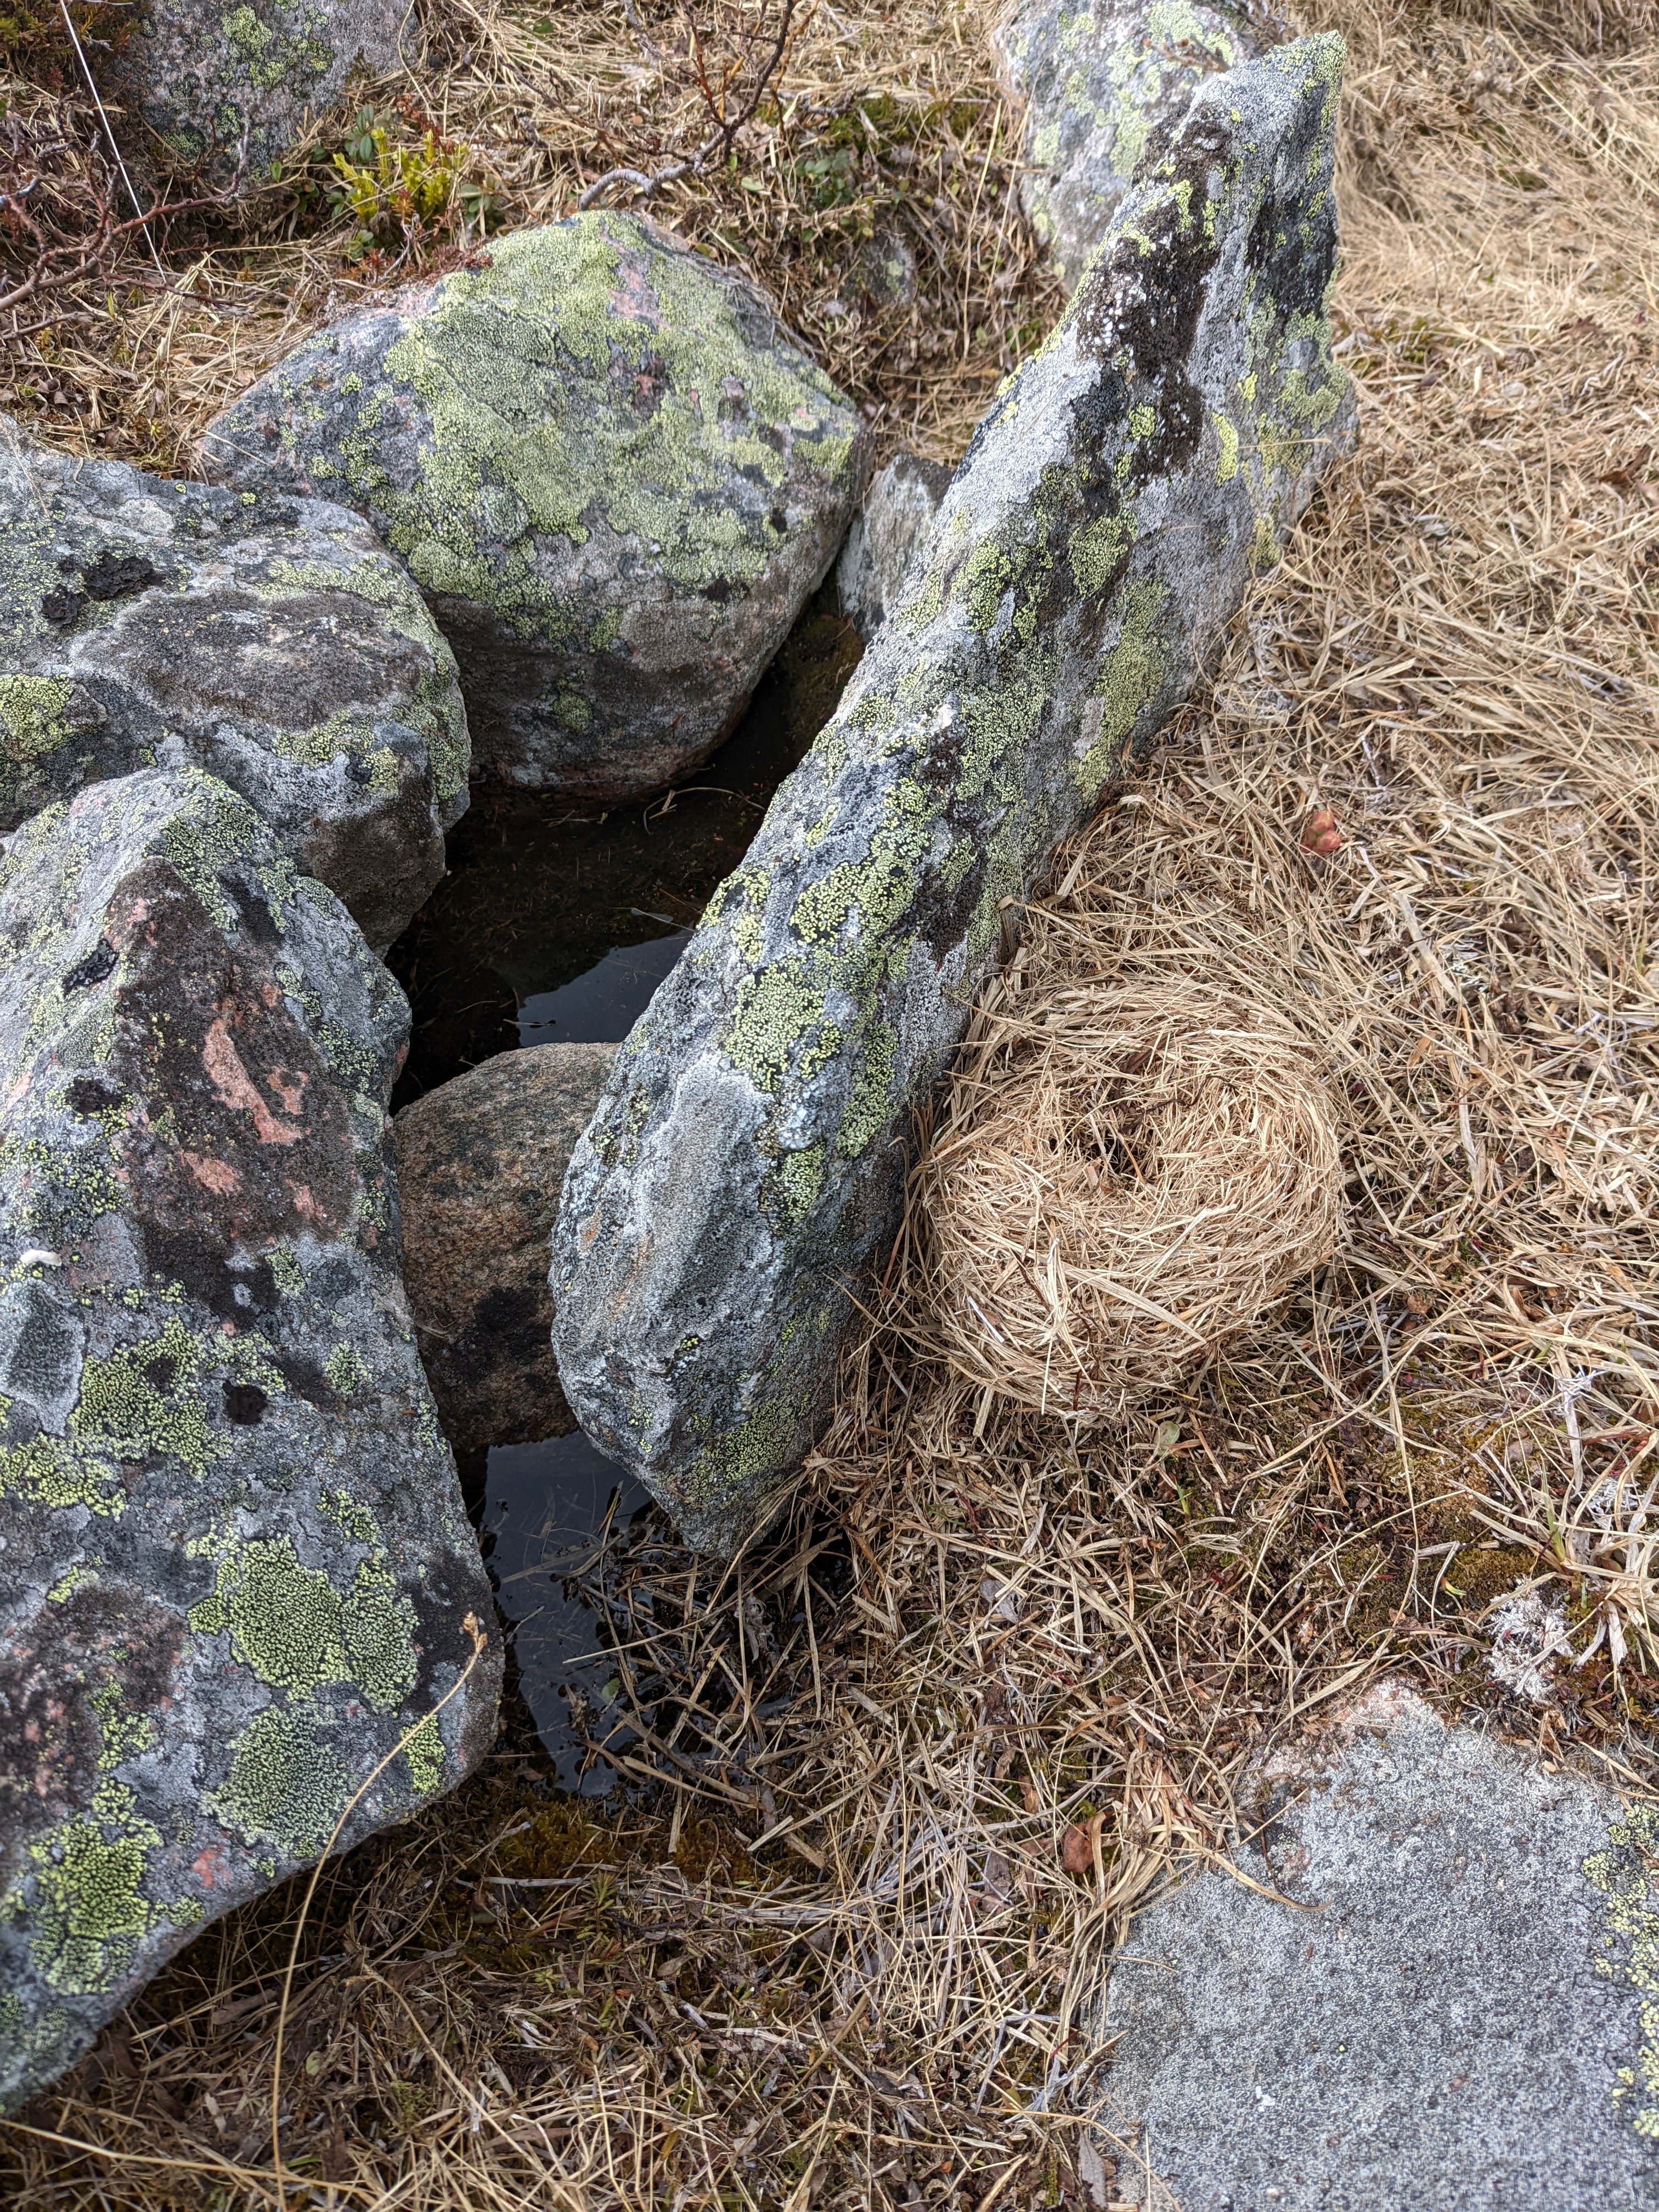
(480, 1163)
(229, 89)
(269, 639)
(1453, 2012)
(236, 1569)
(748, 1154)
(616, 475)
(1099, 85)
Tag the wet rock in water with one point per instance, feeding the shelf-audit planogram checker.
(235, 1566)
(614, 472)
(1096, 85)
(889, 533)
(1459, 2014)
(229, 89)
(269, 639)
(749, 1151)
(480, 1161)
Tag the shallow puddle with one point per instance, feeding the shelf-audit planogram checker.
(556, 924)
(546, 1509)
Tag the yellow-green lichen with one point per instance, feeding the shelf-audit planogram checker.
(1129, 679)
(32, 713)
(218, 832)
(88, 1911)
(513, 368)
(425, 1753)
(1625, 1875)
(1227, 467)
(287, 1785)
(297, 1632)
(346, 1369)
(142, 1401)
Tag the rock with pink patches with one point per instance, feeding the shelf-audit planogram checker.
(235, 1570)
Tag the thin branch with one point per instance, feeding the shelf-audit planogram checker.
(726, 131)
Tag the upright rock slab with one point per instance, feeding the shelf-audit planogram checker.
(480, 1161)
(1096, 84)
(236, 1569)
(748, 1153)
(231, 88)
(271, 640)
(614, 473)
(1452, 2009)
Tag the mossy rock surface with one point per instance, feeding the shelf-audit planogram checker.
(223, 91)
(615, 474)
(271, 640)
(747, 1157)
(1101, 86)
(235, 1563)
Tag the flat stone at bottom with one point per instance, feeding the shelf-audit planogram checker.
(1455, 2010)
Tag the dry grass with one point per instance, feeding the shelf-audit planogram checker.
(832, 1956)
(884, 124)
(1132, 1167)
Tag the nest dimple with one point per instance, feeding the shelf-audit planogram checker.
(1125, 1178)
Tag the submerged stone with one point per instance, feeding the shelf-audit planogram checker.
(615, 474)
(889, 535)
(227, 90)
(1426, 1978)
(234, 1565)
(269, 639)
(1096, 85)
(480, 1161)
(748, 1154)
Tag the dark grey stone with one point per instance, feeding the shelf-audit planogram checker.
(889, 535)
(1453, 2012)
(220, 90)
(748, 1154)
(614, 472)
(1100, 85)
(234, 1563)
(269, 639)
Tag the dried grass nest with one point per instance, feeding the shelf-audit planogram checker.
(1125, 1177)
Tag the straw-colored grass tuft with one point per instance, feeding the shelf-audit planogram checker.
(1126, 1178)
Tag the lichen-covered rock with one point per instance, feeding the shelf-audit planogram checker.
(615, 474)
(1424, 1979)
(228, 89)
(234, 1565)
(269, 639)
(1095, 83)
(889, 533)
(480, 1161)
(748, 1153)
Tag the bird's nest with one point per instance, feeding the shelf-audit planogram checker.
(1127, 1177)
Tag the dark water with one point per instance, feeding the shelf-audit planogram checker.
(556, 924)
(546, 1509)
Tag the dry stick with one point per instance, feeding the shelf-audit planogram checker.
(725, 135)
(480, 1644)
(219, 2167)
(103, 116)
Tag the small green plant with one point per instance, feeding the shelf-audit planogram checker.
(400, 190)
